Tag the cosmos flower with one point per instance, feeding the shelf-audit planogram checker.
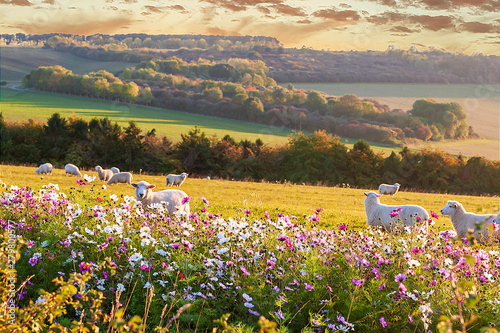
(383, 322)
(186, 200)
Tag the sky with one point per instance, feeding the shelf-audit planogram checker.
(467, 26)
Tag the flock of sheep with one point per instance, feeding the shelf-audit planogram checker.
(378, 214)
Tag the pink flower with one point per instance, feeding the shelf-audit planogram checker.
(383, 322)
(244, 270)
(342, 227)
(186, 200)
(434, 215)
(247, 211)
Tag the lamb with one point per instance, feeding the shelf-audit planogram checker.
(389, 189)
(463, 221)
(176, 180)
(115, 170)
(386, 216)
(104, 174)
(45, 168)
(72, 169)
(120, 177)
(174, 200)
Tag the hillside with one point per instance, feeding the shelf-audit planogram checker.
(16, 62)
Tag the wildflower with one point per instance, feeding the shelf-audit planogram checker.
(358, 283)
(40, 300)
(382, 286)
(434, 215)
(205, 201)
(247, 211)
(248, 305)
(44, 243)
(247, 298)
(255, 313)
(181, 276)
(342, 227)
(383, 322)
(279, 315)
(186, 200)
(33, 261)
(394, 213)
(400, 277)
(120, 287)
(411, 318)
(308, 287)
(244, 270)
(85, 266)
(30, 244)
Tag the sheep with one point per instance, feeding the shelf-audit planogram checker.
(72, 169)
(389, 189)
(44, 169)
(121, 177)
(383, 215)
(173, 199)
(176, 180)
(115, 170)
(496, 220)
(462, 221)
(104, 174)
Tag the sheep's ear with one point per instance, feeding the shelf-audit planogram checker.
(379, 195)
(134, 185)
(151, 187)
(365, 193)
(455, 206)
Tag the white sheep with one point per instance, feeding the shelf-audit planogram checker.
(104, 174)
(174, 200)
(378, 214)
(72, 169)
(389, 189)
(115, 170)
(176, 180)
(463, 221)
(120, 177)
(496, 220)
(45, 168)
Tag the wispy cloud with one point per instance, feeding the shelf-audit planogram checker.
(16, 2)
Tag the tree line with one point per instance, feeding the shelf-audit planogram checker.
(241, 89)
(319, 158)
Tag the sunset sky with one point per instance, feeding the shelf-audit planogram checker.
(466, 26)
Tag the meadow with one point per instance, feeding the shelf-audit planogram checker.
(249, 257)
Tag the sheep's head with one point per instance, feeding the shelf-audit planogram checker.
(372, 196)
(142, 189)
(450, 207)
(397, 185)
(98, 167)
(184, 175)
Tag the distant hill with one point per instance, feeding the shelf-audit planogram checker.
(16, 62)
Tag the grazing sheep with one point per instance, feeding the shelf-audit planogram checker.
(378, 214)
(72, 169)
(463, 221)
(121, 177)
(104, 174)
(176, 180)
(44, 169)
(115, 170)
(173, 199)
(389, 189)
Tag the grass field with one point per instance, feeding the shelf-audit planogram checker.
(230, 198)
(481, 102)
(19, 105)
(16, 62)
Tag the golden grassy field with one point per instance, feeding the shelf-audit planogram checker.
(230, 198)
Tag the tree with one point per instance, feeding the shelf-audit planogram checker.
(316, 100)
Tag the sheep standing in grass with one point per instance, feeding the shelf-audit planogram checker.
(176, 180)
(463, 221)
(120, 177)
(378, 214)
(115, 170)
(104, 174)
(45, 168)
(72, 169)
(389, 189)
(175, 201)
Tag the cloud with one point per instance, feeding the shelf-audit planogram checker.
(178, 7)
(478, 27)
(478, 5)
(16, 2)
(77, 24)
(337, 15)
(221, 32)
(403, 29)
(242, 5)
(289, 10)
(151, 9)
(427, 22)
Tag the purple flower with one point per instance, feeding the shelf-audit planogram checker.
(84, 266)
(358, 283)
(33, 261)
(400, 277)
(255, 313)
(309, 287)
(382, 286)
(244, 270)
(383, 322)
(186, 200)
(205, 201)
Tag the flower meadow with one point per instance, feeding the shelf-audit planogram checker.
(103, 261)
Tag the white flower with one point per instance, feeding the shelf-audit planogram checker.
(135, 257)
(44, 243)
(87, 230)
(104, 186)
(148, 285)
(161, 252)
(249, 305)
(40, 300)
(247, 297)
(100, 287)
(113, 197)
(223, 250)
(413, 263)
(145, 241)
(120, 287)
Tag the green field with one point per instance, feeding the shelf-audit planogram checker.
(230, 198)
(21, 105)
(481, 102)
(16, 62)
